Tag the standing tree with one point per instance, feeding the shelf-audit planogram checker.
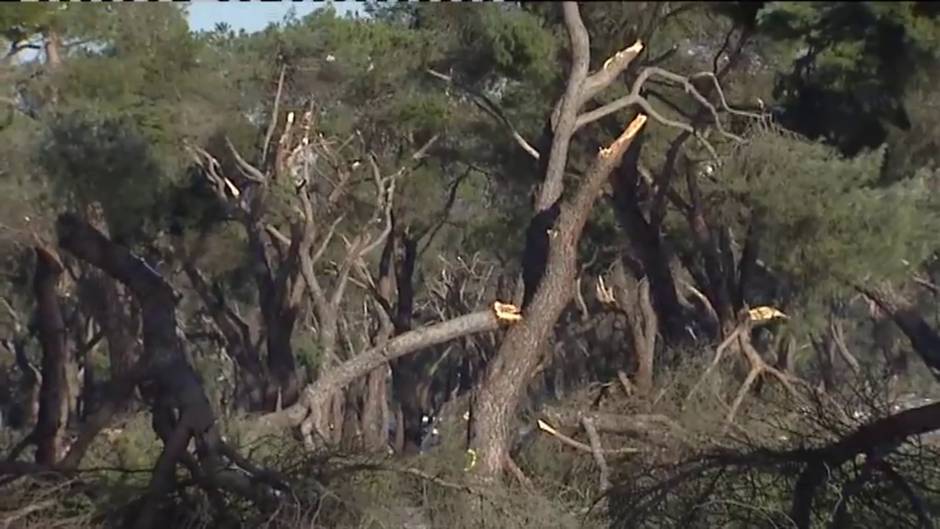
(520, 352)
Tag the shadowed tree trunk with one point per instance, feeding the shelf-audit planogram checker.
(717, 287)
(279, 309)
(410, 386)
(181, 410)
(924, 339)
(646, 240)
(251, 374)
(53, 392)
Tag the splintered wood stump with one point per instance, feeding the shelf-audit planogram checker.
(739, 341)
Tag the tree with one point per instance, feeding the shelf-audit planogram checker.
(520, 351)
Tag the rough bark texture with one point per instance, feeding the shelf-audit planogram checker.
(641, 319)
(181, 410)
(309, 410)
(518, 357)
(375, 410)
(646, 240)
(53, 392)
(515, 363)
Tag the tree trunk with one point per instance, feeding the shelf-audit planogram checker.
(641, 319)
(102, 298)
(251, 375)
(54, 391)
(410, 386)
(824, 354)
(646, 239)
(281, 364)
(181, 410)
(717, 288)
(278, 303)
(924, 339)
(375, 410)
(515, 363)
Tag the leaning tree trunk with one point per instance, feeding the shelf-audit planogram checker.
(53, 392)
(181, 410)
(519, 355)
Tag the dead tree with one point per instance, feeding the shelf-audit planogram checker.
(636, 306)
(53, 392)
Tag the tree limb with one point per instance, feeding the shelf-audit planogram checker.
(361, 364)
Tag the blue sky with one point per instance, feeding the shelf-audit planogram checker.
(253, 16)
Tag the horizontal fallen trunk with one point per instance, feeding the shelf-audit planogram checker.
(337, 378)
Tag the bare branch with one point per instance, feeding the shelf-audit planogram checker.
(491, 108)
(567, 109)
(248, 171)
(274, 116)
(597, 450)
(635, 99)
(318, 253)
(361, 364)
(613, 67)
(578, 445)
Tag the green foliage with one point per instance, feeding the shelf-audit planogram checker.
(826, 224)
(851, 65)
(109, 124)
(105, 161)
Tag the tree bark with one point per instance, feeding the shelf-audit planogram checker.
(641, 319)
(717, 288)
(53, 392)
(518, 357)
(646, 239)
(316, 394)
(410, 386)
(519, 354)
(181, 410)
(279, 313)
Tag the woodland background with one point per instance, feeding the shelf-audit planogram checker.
(248, 279)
